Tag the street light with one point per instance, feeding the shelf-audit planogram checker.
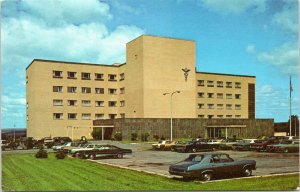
(171, 111)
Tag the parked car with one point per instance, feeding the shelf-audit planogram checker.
(104, 151)
(68, 144)
(271, 148)
(4, 145)
(67, 149)
(86, 147)
(193, 146)
(288, 147)
(214, 143)
(262, 145)
(211, 165)
(169, 146)
(226, 144)
(161, 144)
(243, 145)
(61, 140)
(27, 143)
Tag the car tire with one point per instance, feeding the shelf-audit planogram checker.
(92, 157)
(286, 150)
(194, 150)
(247, 172)
(120, 156)
(206, 176)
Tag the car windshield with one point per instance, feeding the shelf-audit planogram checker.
(194, 158)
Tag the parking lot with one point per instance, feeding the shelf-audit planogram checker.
(145, 159)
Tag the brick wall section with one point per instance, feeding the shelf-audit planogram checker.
(188, 128)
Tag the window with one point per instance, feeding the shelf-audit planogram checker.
(86, 103)
(210, 116)
(200, 116)
(220, 95)
(237, 116)
(85, 76)
(112, 77)
(219, 106)
(229, 106)
(72, 75)
(58, 89)
(210, 106)
(72, 89)
(85, 89)
(99, 103)
(112, 116)
(122, 103)
(229, 116)
(57, 116)
(228, 84)
(210, 95)
(122, 76)
(86, 116)
(122, 115)
(99, 116)
(72, 102)
(201, 95)
(57, 74)
(228, 96)
(200, 82)
(99, 76)
(122, 90)
(99, 90)
(220, 116)
(72, 115)
(57, 102)
(112, 103)
(112, 91)
(238, 107)
(238, 96)
(210, 83)
(219, 83)
(238, 85)
(201, 106)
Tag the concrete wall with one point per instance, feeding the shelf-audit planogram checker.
(190, 128)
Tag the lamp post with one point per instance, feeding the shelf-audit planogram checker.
(171, 101)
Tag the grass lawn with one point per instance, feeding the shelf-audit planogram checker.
(24, 172)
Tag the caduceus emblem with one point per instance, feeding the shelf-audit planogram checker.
(186, 73)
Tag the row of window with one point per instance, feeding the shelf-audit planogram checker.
(219, 116)
(220, 84)
(85, 116)
(219, 106)
(87, 76)
(87, 103)
(219, 95)
(98, 90)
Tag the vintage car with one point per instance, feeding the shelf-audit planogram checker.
(194, 146)
(104, 151)
(161, 144)
(226, 144)
(169, 146)
(262, 145)
(67, 149)
(288, 147)
(207, 166)
(271, 147)
(243, 145)
(68, 144)
(86, 147)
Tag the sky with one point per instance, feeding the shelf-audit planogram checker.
(247, 37)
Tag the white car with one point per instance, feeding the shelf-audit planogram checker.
(68, 144)
(161, 144)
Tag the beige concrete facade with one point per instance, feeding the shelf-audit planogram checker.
(64, 97)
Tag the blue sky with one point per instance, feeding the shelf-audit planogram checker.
(248, 37)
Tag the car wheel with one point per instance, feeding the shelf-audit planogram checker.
(247, 172)
(286, 150)
(206, 176)
(92, 156)
(120, 156)
(194, 150)
(172, 149)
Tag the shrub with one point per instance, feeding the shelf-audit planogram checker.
(162, 138)
(156, 137)
(145, 136)
(49, 145)
(118, 136)
(42, 153)
(134, 136)
(97, 134)
(60, 155)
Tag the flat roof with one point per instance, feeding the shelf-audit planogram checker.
(77, 63)
(207, 73)
(157, 36)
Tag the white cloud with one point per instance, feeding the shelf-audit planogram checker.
(234, 6)
(287, 18)
(250, 48)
